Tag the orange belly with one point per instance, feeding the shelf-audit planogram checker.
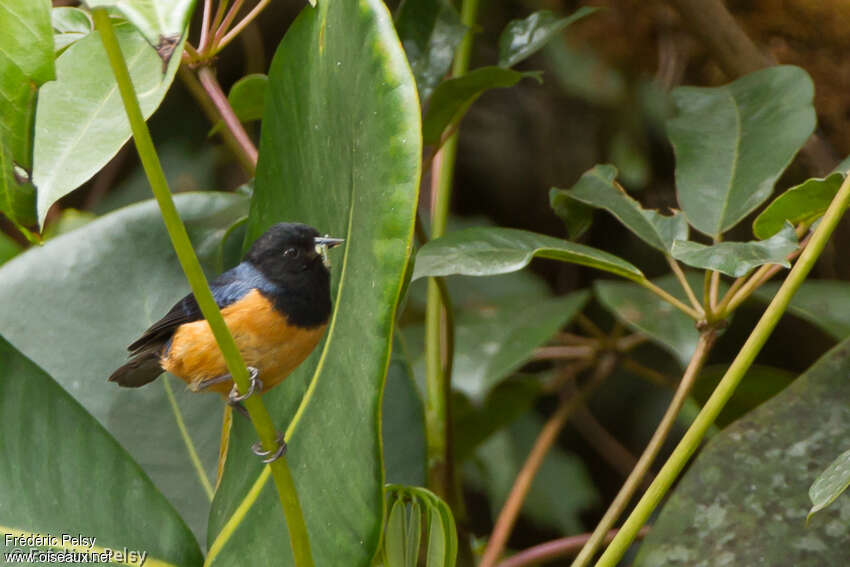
(264, 337)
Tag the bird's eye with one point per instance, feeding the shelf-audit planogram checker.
(291, 252)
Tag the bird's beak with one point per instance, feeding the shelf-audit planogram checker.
(328, 241)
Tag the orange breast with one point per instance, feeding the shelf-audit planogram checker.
(265, 338)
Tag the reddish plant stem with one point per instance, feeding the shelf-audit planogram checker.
(548, 436)
(557, 548)
(219, 99)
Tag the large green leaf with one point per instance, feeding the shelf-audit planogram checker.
(804, 203)
(74, 304)
(26, 62)
(453, 97)
(80, 123)
(522, 38)
(162, 22)
(491, 251)
(738, 258)
(340, 150)
(645, 312)
(823, 303)
(598, 188)
(733, 142)
(430, 31)
(64, 474)
(745, 498)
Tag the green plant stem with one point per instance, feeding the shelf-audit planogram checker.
(687, 310)
(635, 478)
(683, 281)
(548, 436)
(724, 390)
(438, 384)
(194, 274)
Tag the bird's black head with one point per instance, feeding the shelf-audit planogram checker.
(289, 250)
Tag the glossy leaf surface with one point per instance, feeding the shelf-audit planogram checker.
(744, 500)
(64, 474)
(523, 38)
(340, 150)
(453, 97)
(598, 188)
(91, 292)
(430, 31)
(81, 123)
(720, 136)
(738, 258)
(491, 251)
(804, 203)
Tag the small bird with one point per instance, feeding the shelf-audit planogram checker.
(276, 304)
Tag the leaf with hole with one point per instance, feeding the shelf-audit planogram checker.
(161, 22)
(598, 188)
(523, 38)
(736, 259)
(340, 150)
(81, 123)
(453, 97)
(720, 136)
(804, 203)
(491, 251)
(430, 31)
(88, 294)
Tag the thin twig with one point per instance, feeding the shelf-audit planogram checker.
(219, 14)
(680, 275)
(600, 439)
(629, 342)
(563, 352)
(557, 548)
(686, 309)
(590, 327)
(651, 375)
(219, 99)
(193, 85)
(205, 25)
(706, 341)
(240, 26)
(715, 286)
(548, 436)
(225, 24)
(572, 338)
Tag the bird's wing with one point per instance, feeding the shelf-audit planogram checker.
(228, 288)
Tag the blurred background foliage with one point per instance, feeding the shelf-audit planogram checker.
(604, 99)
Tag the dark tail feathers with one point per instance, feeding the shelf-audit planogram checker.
(142, 368)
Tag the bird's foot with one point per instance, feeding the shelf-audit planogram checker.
(271, 455)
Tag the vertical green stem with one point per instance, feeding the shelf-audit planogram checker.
(195, 275)
(724, 390)
(438, 383)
